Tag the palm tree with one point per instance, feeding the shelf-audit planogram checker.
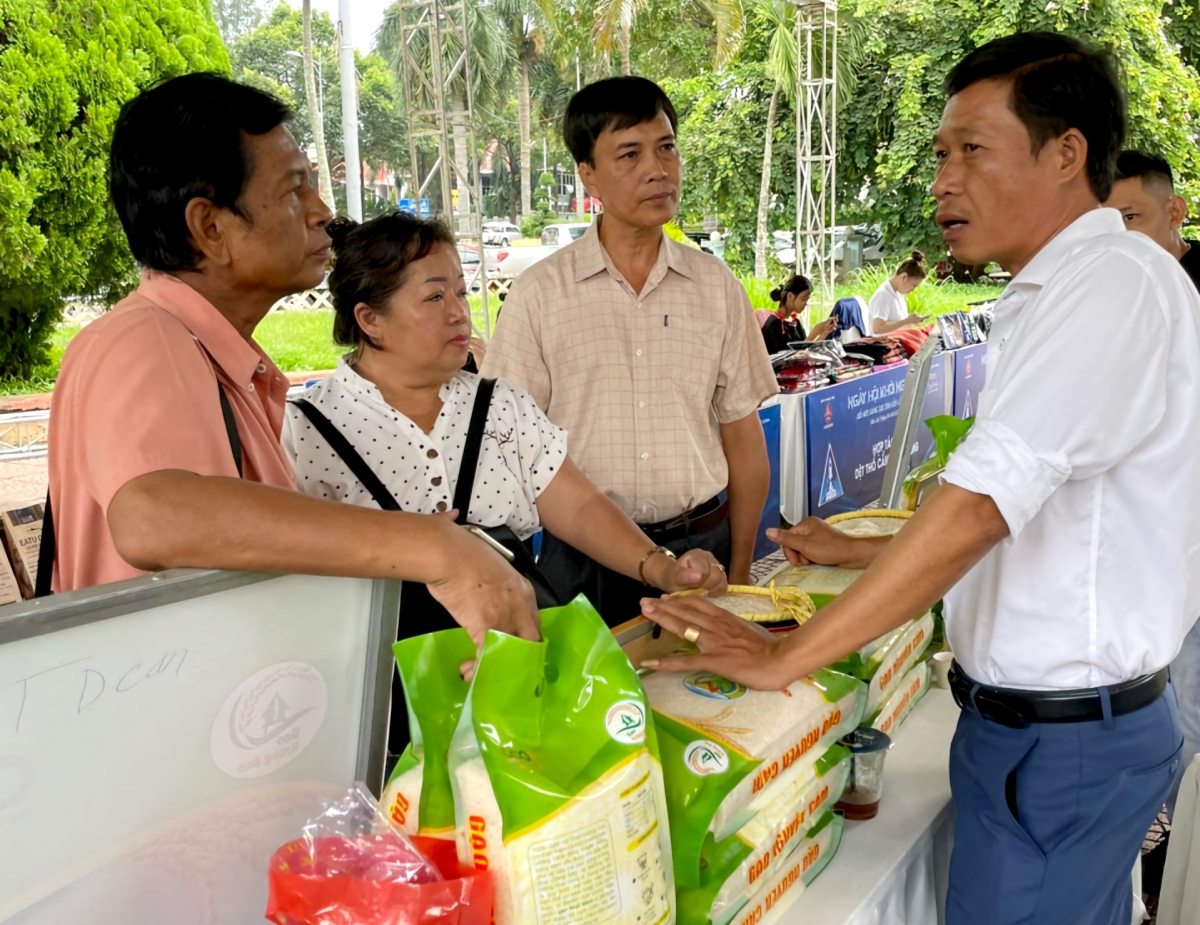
(530, 25)
(315, 116)
(615, 21)
(778, 18)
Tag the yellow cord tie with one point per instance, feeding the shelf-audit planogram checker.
(789, 603)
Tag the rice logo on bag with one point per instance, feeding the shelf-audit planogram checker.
(418, 797)
(733, 870)
(912, 688)
(558, 789)
(725, 759)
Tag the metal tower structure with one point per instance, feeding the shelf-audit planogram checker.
(435, 47)
(816, 143)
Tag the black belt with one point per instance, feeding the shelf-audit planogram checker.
(1017, 709)
(700, 519)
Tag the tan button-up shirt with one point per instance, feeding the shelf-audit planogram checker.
(641, 381)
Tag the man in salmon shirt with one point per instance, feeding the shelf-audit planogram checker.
(165, 422)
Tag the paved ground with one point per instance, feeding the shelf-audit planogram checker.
(23, 479)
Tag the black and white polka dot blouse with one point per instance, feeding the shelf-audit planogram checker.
(522, 450)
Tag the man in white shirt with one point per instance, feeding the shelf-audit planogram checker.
(1064, 538)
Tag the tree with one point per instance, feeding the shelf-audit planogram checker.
(885, 165)
(779, 18)
(615, 21)
(315, 116)
(236, 17)
(65, 71)
(271, 59)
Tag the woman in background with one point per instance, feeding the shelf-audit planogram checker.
(783, 326)
(888, 309)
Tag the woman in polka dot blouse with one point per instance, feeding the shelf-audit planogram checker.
(403, 401)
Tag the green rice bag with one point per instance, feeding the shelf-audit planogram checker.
(913, 686)
(768, 905)
(418, 797)
(884, 662)
(727, 751)
(733, 870)
(558, 789)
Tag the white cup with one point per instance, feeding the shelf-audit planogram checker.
(941, 668)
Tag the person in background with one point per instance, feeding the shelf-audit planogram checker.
(660, 389)
(1144, 194)
(783, 326)
(888, 309)
(1063, 539)
(166, 418)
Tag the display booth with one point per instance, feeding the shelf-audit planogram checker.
(160, 737)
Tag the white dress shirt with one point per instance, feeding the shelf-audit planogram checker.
(886, 305)
(520, 455)
(1088, 439)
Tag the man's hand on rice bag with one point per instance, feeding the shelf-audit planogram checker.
(814, 542)
(696, 568)
(729, 646)
(483, 592)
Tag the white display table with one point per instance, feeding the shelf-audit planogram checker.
(893, 869)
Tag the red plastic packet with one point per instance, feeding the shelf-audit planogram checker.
(307, 894)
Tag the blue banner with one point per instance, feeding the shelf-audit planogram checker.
(849, 438)
(970, 372)
(934, 405)
(770, 518)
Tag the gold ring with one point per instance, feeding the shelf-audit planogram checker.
(691, 634)
(720, 566)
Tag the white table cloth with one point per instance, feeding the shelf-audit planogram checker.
(892, 870)
(793, 482)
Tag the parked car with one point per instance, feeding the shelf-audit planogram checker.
(500, 234)
(511, 262)
(468, 254)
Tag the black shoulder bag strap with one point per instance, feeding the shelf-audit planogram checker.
(470, 459)
(348, 454)
(49, 541)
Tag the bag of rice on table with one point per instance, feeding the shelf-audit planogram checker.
(557, 785)
(885, 661)
(418, 797)
(728, 751)
(734, 869)
(767, 906)
(912, 688)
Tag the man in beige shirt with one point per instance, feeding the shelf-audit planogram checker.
(647, 352)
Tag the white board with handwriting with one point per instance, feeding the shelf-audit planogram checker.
(150, 762)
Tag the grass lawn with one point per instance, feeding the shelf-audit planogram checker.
(303, 341)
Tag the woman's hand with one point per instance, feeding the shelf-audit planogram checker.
(914, 320)
(822, 329)
(696, 568)
(729, 646)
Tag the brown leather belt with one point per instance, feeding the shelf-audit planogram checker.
(700, 519)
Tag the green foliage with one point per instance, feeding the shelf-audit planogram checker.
(263, 58)
(65, 70)
(533, 223)
(236, 17)
(885, 167)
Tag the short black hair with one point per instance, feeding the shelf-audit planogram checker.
(794, 286)
(613, 104)
(1058, 83)
(1145, 166)
(371, 261)
(178, 140)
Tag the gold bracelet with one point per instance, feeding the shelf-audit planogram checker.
(646, 558)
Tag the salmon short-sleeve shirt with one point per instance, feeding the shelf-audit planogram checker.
(137, 393)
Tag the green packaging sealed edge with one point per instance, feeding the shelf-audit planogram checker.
(721, 862)
(699, 778)
(557, 782)
(418, 796)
